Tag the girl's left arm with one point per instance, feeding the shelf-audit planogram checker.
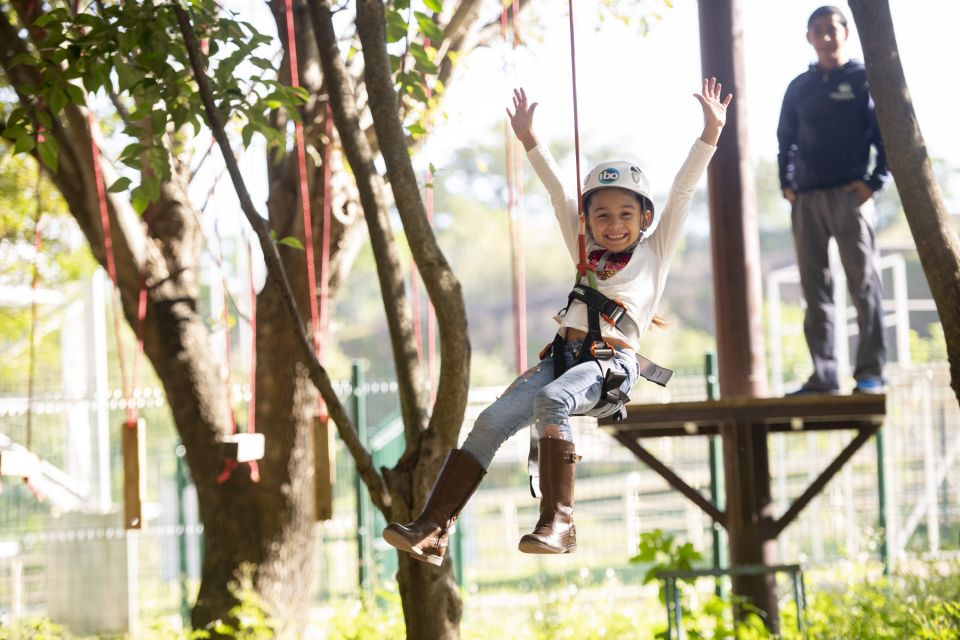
(714, 110)
(667, 236)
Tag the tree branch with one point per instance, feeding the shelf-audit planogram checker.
(318, 375)
(373, 201)
(441, 283)
(937, 244)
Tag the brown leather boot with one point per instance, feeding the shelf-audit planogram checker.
(555, 531)
(426, 537)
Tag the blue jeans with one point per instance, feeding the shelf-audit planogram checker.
(536, 398)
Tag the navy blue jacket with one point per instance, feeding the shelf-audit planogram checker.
(827, 125)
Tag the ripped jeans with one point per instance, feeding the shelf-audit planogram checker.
(536, 398)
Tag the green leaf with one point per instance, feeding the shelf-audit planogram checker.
(75, 93)
(291, 241)
(433, 5)
(14, 131)
(263, 63)
(24, 143)
(22, 58)
(429, 28)
(132, 151)
(57, 100)
(396, 27)
(139, 200)
(158, 121)
(47, 149)
(122, 184)
(247, 133)
(424, 62)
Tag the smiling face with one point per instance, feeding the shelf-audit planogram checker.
(616, 219)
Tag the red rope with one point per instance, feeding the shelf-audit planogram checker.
(324, 295)
(34, 280)
(252, 405)
(515, 218)
(303, 183)
(229, 465)
(431, 314)
(582, 265)
(112, 272)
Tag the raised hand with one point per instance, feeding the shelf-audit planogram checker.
(521, 120)
(714, 110)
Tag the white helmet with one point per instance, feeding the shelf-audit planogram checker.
(623, 175)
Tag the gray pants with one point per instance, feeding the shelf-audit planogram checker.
(817, 216)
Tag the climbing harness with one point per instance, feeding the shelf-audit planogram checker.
(599, 307)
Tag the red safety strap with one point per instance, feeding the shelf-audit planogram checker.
(415, 290)
(34, 280)
(582, 265)
(431, 314)
(515, 216)
(324, 296)
(128, 385)
(252, 405)
(229, 464)
(303, 183)
(318, 324)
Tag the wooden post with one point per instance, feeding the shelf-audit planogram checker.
(324, 451)
(134, 476)
(736, 274)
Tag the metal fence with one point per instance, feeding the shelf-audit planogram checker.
(80, 566)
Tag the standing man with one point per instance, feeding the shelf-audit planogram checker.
(827, 126)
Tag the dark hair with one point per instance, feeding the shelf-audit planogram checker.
(645, 203)
(826, 10)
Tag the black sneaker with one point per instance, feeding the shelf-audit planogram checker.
(812, 391)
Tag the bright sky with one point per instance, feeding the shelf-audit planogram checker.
(635, 92)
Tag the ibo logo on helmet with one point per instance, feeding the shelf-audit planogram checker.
(608, 175)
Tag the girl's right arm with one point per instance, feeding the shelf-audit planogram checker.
(565, 208)
(522, 119)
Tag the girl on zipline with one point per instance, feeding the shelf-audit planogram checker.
(622, 259)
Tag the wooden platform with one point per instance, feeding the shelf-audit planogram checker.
(794, 413)
(746, 422)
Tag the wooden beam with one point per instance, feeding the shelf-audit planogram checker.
(673, 479)
(777, 413)
(821, 481)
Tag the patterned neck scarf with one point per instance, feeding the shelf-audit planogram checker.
(607, 263)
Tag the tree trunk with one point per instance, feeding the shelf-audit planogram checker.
(268, 524)
(935, 237)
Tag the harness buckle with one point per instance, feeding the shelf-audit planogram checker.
(616, 314)
(545, 351)
(601, 350)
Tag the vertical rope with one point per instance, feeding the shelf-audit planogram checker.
(431, 314)
(515, 214)
(252, 405)
(304, 187)
(582, 241)
(127, 384)
(34, 280)
(326, 219)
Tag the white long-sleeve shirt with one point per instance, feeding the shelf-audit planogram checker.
(640, 284)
